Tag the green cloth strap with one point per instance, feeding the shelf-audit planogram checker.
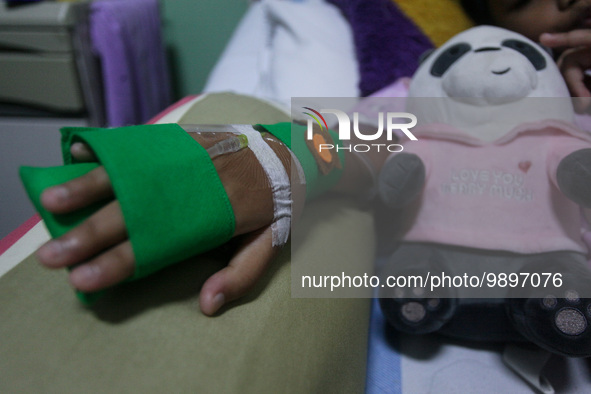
(294, 136)
(38, 179)
(173, 202)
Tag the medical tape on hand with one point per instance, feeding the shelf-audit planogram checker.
(278, 179)
(299, 170)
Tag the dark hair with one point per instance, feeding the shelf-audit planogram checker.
(478, 11)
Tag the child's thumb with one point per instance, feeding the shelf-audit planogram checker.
(245, 268)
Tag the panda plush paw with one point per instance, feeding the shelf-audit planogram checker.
(557, 319)
(559, 324)
(412, 306)
(413, 315)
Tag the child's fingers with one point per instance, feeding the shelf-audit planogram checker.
(78, 193)
(101, 231)
(243, 271)
(573, 65)
(571, 39)
(105, 270)
(81, 152)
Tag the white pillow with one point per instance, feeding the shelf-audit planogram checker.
(284, 49)
(239, 68)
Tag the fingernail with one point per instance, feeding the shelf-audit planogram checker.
(84, 274)
(76, 146)
(547, 35)
(218, 301)
(50, 251)
(58, 193)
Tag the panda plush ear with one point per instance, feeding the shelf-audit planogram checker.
(425, 55)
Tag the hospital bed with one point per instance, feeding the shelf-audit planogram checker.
(149, 336)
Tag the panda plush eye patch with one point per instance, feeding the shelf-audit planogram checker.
(449, 57)
(527, 50)
(455, 52)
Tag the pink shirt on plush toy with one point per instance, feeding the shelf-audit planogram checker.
(482, 194)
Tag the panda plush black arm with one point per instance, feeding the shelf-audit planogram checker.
(401, 180)
(574, 177)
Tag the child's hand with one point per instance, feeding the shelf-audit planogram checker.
(101, 248)
(574, 62)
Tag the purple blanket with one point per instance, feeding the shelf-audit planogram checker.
(387, 42)
(127, 38)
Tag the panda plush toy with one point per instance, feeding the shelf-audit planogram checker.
(490, 199)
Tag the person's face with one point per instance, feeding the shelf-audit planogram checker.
(534, 17)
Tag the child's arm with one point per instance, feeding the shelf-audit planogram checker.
(574, 62)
